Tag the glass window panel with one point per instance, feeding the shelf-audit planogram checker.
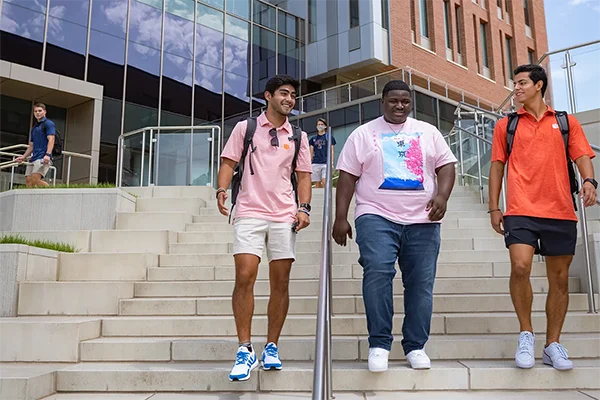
(110, 16)
(111, 120)
(179, 36)
(15, 121)
(282, 17)
(35, 5)
(177, 87)
(67, 55)
(142, 75)
(22, 35)
(291, 27)
(107, 163)
(181, 8)
(309, 124)
(237, 86)
(371, 110)
(238, 28)
(209, 47)
(264, 14)
(144, 58)
(354, 14)
(424, 19)
(208, 88)
(145, 24)
(214, 3)
(209, 78)
(67, 35)
(240, 8)
(137, 116)
(263, 58)
(106, 63)
(69, 10)
(236, 56)
(153, 3)
(209, 17)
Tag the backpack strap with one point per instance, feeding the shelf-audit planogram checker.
(511, 129)
(297, 136)
(562, 118)
(248, 143)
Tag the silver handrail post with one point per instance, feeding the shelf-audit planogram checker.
(91, 171)
(460, 156)
(12, 177)
(142, 160)
(150, 158)
(582, 212)
(54, 183)
(479, 176)
(322, 379)
(69, 170)
(211, 158)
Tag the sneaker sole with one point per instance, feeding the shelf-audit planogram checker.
(378, 369)
(525, 366)
(245, 378)
(420, 366)
(268, 367)
(547, 361)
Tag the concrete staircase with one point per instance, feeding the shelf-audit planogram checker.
(148, 309)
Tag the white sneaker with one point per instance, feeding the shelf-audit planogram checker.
(525, 357)
(418, 360)
(378, 359)
(245, 362)
(557, 356)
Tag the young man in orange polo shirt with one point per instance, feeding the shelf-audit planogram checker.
(540, 216)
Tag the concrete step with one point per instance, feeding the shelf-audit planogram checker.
(72, 298)
(297, 376)
(351, 304)
(132, 241)
(173, 220)
(439, 347)
(187, 205)
(227, 272)
(227, 236)
(27, 381)
(309, 287)
(105, 266)
(313, 258)
(45, 339)
(342, 325)
(206, 193)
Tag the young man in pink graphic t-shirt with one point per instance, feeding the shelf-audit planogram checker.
(265, 211)
(402, 172)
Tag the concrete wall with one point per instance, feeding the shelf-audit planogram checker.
(83, 136)
(19, 263)
(62, 209)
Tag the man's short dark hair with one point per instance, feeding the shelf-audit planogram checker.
(40, 105)
(395, 85)
(280, 80)
(536, 74)
(323, 121)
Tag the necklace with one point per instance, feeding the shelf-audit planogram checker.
(388, 124)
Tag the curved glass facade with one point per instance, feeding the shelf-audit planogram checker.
(161, 62)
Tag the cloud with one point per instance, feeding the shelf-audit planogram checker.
(580, 2)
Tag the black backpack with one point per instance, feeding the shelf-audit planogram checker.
(58, 141)
(236, 180)
(562, 119)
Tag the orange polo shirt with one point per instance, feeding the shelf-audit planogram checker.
(537, 179)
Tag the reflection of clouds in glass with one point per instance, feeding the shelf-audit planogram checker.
(236, 56)
(115, 14)
(236, 86)
(144, 58)
(209, 46)
(67, 35)
(23, 22)
(145, 24)
(209, 78)
(209, 17)
(69, 10)
(36, 5)
(182, 8)
(238, 28)
(179, 36)
(178, 68)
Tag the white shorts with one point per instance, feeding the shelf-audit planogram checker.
(38, 167)
(251, 234)
(319, 172)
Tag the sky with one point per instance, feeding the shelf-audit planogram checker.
(568, 23)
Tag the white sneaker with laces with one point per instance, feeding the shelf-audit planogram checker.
(556, 355)
(525, 350)
(418, 360)
(378, 359)
(270, 357)
(245, 362)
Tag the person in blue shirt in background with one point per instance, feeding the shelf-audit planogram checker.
(318, 152)
(41, 143)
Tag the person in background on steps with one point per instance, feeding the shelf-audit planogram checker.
(403, 173)
(41, 143)
(539, 217)
(318, 152)
(265, 210)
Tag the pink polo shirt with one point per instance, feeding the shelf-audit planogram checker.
(267, 194)
(396, 168)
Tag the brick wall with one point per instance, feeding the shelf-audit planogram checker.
(467, 76)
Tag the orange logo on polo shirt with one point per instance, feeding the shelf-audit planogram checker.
(286, 146)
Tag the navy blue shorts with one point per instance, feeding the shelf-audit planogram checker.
(549, 237)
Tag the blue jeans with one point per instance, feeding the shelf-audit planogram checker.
(416, 248)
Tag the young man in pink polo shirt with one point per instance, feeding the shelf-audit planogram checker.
(403, 172)
(265, 211)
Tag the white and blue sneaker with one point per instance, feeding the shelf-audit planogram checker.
(245, 362)
(556, 355)
(270, 357)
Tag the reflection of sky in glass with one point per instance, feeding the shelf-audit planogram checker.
(215, 3)
(236, 56)
(35, 5)
(144, 58)
(179, 36)
(209, 78)
(238, 28)
(69, 10)
(237, 86)
(209, 46)
(67, 35)
(22, 22)
(181, 8)
(145, 24)
(264, 14)
(153, 3)
(177, 68)
(209, 17)
(110, 16)
(107, 47)
(239, 7)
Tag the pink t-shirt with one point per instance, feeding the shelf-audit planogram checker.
(396, 168)
(267, 194)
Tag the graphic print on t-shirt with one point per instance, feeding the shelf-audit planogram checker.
(402, 161)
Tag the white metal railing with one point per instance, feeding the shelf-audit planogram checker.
(322, 378)
(151, 136)
(13, 164)
(69, 155)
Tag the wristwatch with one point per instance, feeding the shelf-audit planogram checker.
(49, 155)
(592, 181)
(305, 205)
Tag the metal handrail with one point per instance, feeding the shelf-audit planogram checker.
(546, 55)
(152, 130)
(14, 164)
(322, 378)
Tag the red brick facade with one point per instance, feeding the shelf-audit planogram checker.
(469, 75)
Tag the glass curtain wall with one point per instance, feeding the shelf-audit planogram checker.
(161, 62)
